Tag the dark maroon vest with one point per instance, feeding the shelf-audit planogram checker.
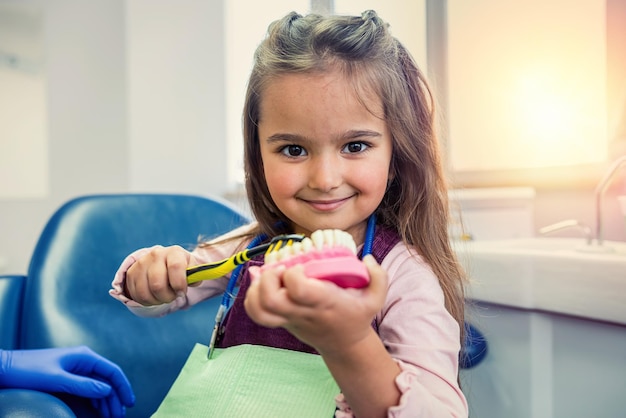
(239, 329)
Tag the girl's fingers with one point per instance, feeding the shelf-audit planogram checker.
(265, 299)
(280, 297)
(305, 291)
(378, 280)
(159, 276)
(157, 284)
(177, 263)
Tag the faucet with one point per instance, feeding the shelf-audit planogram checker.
(599, 193)
(570, 223)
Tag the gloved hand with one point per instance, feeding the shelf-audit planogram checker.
(74, 370)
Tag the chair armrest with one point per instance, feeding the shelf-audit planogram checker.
(31, 403)
(11, 296)
(474, 349)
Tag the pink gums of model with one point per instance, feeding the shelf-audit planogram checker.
(335, 263)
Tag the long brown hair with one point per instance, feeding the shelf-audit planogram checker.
(416, 202)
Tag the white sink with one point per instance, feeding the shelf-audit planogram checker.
(563, 275)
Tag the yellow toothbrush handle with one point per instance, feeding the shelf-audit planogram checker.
(215, 270)
(221, 268)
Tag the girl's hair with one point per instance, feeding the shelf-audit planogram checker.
(362, 48)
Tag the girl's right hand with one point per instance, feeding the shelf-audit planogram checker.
(159, 276)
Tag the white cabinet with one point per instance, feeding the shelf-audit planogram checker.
(544, 365)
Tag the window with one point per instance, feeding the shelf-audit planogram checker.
(529, 95)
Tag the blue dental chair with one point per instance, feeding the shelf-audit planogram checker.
(63, 300)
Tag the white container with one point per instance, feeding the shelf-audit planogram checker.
(492, 213)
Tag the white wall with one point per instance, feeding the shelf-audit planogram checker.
(176, 93)
(134, 104)
(87, 117)
(23, 135)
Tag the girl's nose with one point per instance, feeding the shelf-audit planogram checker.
(325, 174)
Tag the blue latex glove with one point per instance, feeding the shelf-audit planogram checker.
(75, 370)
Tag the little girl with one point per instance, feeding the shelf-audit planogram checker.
(338, 130)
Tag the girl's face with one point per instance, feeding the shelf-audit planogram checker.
(326, 157)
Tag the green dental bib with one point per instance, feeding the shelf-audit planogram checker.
(251, 381)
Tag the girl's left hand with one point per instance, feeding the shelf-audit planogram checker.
(317, 312)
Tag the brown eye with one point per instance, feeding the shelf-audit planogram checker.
(355, 147)
(293, 151)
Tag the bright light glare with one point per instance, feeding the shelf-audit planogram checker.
(527, 84)
(553, 119)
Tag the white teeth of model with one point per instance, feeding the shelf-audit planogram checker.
(307, 245)
(350, 243)
(318, 239)
(271, 257)
(296, 248)
(340, 238)
(285, 252)
(329, 237)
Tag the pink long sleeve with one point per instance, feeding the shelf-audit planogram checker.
(422, 337)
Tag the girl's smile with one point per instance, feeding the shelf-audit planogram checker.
(326, 152)
(327, 205)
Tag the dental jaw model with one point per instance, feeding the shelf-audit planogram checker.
(330, 254)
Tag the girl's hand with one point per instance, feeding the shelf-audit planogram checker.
(159, 276)
(317, 312)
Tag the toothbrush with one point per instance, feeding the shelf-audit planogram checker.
(217, 269)
(330, 254)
